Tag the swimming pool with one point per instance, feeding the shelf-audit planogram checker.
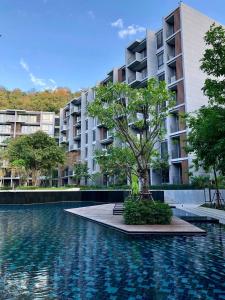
(47, 253)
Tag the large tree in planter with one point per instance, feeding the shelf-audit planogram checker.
(39, 153)
(137, 117)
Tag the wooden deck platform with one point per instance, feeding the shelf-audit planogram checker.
(103, 214)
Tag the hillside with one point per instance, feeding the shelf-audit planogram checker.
(38, 101)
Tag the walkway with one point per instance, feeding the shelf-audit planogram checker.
(204, 211)
(103, 214)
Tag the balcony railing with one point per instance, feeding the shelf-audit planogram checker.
(177, 180)
(172, 79)
(63, 127)
(74, 147)
(63, 139)
(170, 31)
(174, 127)
(75, 109)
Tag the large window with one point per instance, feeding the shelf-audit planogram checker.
(7, 118)
(86, 152)
(86, 124)
(86, 138)
(47, 118)
(27, 118)
(5, 128)
(159, 39)
(93, 135)
(29, 129)
(160, 60)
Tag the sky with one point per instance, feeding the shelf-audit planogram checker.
(47, 44)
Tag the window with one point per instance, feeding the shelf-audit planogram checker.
(86, 152)
(47, 118)
(29, 129)
(159, 39)
(93, 135)
(160, 60)
(93, 148)
(86, 124)
(164, 149)
(5, 128)
(7, 118)
(86, 138)
(161, 77)
(47, 128)
(27, 118)
(93, 165)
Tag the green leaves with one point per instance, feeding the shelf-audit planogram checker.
(36, 151)
(137, 115)
(213, 64)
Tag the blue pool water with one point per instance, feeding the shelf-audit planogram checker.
(46, 253)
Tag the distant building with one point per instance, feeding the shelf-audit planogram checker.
(172, 54)
(14, 123)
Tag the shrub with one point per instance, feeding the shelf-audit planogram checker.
(141, 212)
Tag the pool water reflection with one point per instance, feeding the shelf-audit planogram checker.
(47, 253)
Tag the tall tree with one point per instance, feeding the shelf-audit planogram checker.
(137, 117)
(206, 140)
(213, 64)
(38, 153)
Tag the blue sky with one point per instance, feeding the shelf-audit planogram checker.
(72, 43)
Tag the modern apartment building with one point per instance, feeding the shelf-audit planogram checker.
(82, 135)
(171, 54)
(14, 123)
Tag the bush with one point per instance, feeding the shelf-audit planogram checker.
(141, 212)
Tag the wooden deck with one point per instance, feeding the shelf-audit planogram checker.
(103, 214)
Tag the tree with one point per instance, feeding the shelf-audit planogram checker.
(213, 64)
(38, 153)
(116, 162)
(18, 168)
(48, 100)
(137, 117)
(80, 171)
(206, 140)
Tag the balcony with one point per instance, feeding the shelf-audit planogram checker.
(172, 79)
(107, 138)
(78, 124)
(63, 127)
(75, 110)
(137, 61)
(176, 152)
(63, 140)
(77, 135)
(137, 77)
(74, 147)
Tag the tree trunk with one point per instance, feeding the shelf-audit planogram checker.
(218, 198)
(144, 183)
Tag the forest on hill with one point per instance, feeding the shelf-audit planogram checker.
(49, 100)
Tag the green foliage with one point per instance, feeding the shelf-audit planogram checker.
(116, 162)
(141, 212)
(213, 64)
(38, 101)
(134, 184)
(37, 153)
(206, 138)
(201, 181)
(112, 109)
(80, 171)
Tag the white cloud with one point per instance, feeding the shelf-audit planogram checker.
(91, 14)
(118, 23)
(126, 31)
(130, 30)
(48, 84)
(24, 65)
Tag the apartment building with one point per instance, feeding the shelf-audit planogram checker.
(82, 135)
(171, 54)
(14, 123)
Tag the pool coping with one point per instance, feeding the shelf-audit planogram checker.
(103, 215)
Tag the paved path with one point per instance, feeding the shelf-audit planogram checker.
(103, 214)
(204, 211)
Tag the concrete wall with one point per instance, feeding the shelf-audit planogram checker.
(189, 196)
